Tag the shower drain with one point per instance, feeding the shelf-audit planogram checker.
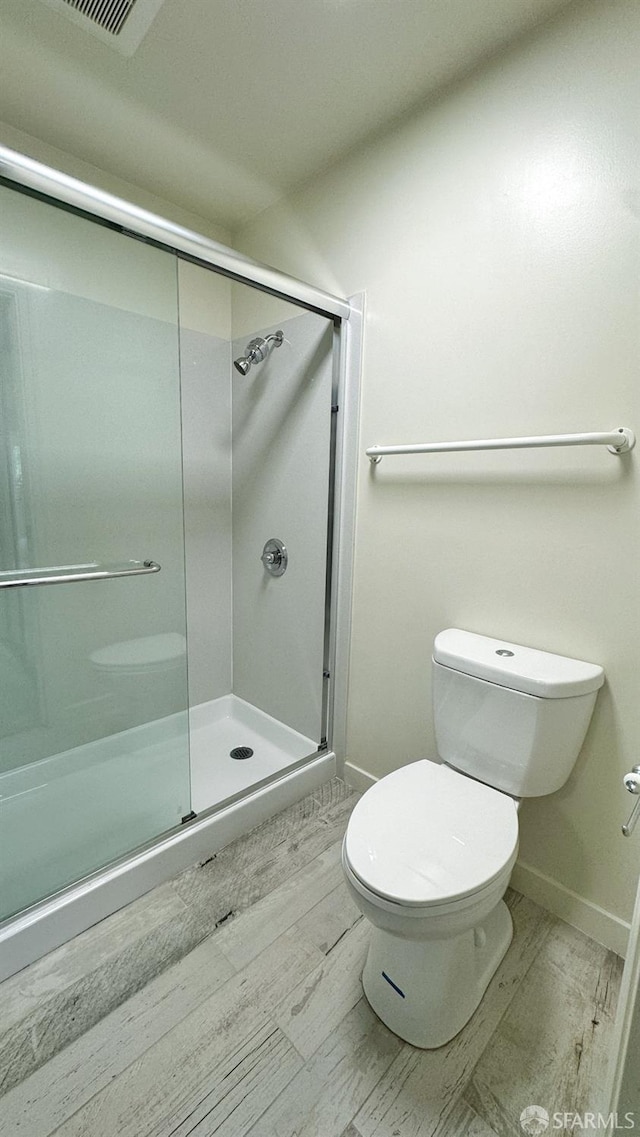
(241, 752)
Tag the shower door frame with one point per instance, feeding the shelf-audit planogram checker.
(54, 920)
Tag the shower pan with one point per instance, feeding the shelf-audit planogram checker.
(167, 666)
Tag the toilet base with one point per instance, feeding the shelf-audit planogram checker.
(425, 991)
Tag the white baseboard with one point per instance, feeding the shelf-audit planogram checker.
(357, 778)
(595, 922)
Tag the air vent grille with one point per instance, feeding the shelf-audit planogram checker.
(122, 24)
(111, 15)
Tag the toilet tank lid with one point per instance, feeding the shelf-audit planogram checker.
(142, 652)
(511, 665)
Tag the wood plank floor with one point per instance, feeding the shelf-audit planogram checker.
(228, 1001)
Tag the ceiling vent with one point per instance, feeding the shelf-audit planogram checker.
(122, 24)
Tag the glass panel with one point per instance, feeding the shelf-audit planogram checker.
(94, 756)
(257, 459)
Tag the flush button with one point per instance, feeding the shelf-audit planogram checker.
(503, 651)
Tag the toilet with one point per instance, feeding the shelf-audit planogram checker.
(429, 849)
(146, 676)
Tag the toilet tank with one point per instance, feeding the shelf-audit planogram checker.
(511, 716)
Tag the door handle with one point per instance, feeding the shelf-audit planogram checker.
(631, 782)
(68, 574)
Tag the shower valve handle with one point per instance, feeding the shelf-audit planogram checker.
(275, 557)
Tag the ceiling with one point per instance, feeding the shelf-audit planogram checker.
(228, 104)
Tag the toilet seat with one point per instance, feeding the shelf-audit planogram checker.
(426, 836)
(446, 908)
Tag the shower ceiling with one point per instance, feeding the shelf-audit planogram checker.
(225, 106)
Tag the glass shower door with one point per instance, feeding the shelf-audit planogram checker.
(94, 750)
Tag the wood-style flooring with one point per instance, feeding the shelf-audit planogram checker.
(228, 1001)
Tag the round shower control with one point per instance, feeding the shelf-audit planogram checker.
(275, 557)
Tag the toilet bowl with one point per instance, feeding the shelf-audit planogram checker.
(427, 858)
(429, 849)
(145, 676)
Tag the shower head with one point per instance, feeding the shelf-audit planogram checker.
(257, 350)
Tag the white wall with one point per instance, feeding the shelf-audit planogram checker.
(495, 232)
(76, 168)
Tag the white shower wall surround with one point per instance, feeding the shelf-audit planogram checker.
(205, 363)
(281, 445)
(256, 465)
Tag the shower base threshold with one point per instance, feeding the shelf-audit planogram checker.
(38, 930)
(218, 727)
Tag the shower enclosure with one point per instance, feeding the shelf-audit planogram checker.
(167, 549)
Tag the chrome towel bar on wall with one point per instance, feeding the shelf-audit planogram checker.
(68, 574)
(619, 441)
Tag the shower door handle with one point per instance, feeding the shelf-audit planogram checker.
(67, 574)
